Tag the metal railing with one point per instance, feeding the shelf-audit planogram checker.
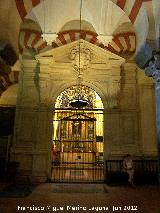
(145, 172)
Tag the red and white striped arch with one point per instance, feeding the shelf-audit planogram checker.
(7, 80)
(121, 43)
(130, 7)
(25, 6)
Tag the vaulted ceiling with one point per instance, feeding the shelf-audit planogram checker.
(116, 13)
(131, 23)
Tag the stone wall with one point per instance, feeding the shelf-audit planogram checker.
(128, 98)
(132, 127)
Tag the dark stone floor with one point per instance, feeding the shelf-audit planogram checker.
(49, 197)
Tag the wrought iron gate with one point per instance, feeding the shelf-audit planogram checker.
(77, 150)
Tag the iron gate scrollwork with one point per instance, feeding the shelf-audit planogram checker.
(76, 154)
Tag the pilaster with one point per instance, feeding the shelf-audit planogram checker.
(45, 79)
(29, 84)
(32, 124)
(153, 70)
(128, 96)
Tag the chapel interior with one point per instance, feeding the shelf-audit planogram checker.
(79, 89)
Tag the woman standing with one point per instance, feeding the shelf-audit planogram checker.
(129, 167)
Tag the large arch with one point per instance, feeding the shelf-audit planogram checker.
(78, 137)
(41, 114)
(121, 43)
(72, 83)
(133, 9)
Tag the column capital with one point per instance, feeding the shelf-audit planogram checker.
(130, 66)
(153, 68)
(152, 71)
(45, 61)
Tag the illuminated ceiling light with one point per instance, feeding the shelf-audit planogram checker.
(49, 37)
(48, 34)
(105, 39)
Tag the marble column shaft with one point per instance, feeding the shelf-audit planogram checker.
(157, 91)
(153, 70)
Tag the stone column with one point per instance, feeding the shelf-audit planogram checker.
(26, 132)
(153, 70)
(45, 80)
(157, 90)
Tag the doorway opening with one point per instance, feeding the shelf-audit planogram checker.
(77, 146)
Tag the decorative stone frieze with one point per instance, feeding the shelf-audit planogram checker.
(90, 64)
(129, 70)
(81, 58)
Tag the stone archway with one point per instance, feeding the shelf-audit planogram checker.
(78, 140)
(41, 80)
(46, 75)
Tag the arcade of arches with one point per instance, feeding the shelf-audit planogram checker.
(44, 49)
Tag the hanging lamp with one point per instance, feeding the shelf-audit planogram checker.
(47, 34)
(79, 100)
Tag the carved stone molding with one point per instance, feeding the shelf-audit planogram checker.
(28, 86)
(49, 37)
(44, 92)
(105, 39)
(111, 92)
(86, 62)
(81, 58)
(45, 61)
(29, 69)
(44, 78)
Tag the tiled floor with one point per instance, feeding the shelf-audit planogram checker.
(146, 199)
(91, 174)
